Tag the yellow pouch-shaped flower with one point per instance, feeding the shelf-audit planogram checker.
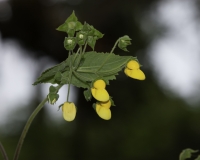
(133, 65)
(103, 112)
(106, 104)
(69, 111)
(100, 94)
(135, 73)
(99, 84)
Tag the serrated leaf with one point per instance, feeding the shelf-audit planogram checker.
(48, 75)
(93, 66)
(103, 64)
(70, 25)
(187, 153)
(91, 41)
(98, 65)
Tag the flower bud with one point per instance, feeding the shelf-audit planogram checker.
(52, 97)
(69, 43)
(124, 42)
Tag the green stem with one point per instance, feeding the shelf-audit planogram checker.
(81, 56)
(115, 45)
(3, 152)
(84, 48)
(70, 76)
(28, 123)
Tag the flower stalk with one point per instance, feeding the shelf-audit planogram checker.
(3, 152)
(26, 128)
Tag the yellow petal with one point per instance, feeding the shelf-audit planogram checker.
(100, 94)
(99, 84)
(69, 111)
(135, 73)
(103, 112)
(106, 104)
(133, 64)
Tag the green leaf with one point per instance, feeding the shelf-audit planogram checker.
(93, 66)
(70, 25)
(187, 153)
(87, 94)
(98, 66)
(91, 41)
(112, 102)
(198, 158)
(52, 89)
(52, 97)
(102, 64)
(93, 34)
(51, 75)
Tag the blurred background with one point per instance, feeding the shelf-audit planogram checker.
(153, 119)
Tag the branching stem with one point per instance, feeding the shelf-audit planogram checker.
(28, 123)
(24, 132)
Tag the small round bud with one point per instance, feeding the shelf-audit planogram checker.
(81, 36)
(69, 41)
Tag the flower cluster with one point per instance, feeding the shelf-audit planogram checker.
(133, 70)
(102, 107)
(98, 91)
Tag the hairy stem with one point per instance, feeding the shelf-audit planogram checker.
(81, 56)
(115, 45)
(3, 152)
(28, 123)
(70, 76)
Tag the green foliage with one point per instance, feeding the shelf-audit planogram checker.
(80, 69)
(189, 153)
(87, 94)
(71, 25)
(124, 42)
(92, 66)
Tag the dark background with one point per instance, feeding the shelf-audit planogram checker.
(146, 123)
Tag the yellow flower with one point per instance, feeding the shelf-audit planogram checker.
(103, 110)
(69, 111)
(133, 65)
(99, 84)
(106, 104)
(133, 70)
(99, 92)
